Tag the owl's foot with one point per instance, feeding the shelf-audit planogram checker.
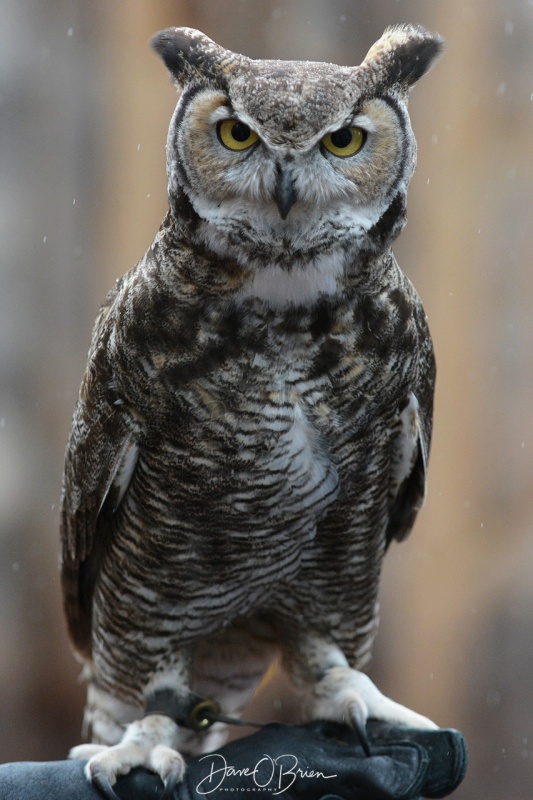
(349, 696)
(148, 742)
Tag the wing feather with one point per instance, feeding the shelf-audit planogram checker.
(408, 470)
(100, 460)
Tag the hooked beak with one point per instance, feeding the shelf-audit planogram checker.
(285, 193)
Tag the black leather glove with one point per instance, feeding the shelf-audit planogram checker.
(318, 761)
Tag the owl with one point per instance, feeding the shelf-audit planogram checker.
(253, 425)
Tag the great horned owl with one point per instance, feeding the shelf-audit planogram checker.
(254, 422)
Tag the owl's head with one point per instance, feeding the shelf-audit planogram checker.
(284, 160)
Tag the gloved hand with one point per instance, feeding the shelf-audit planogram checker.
(319, 761)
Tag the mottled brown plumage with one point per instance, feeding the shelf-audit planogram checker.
(254, 422)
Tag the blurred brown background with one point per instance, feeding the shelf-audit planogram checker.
(84, 107)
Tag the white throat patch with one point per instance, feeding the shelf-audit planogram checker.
(301, 285)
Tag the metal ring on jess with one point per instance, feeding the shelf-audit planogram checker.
(202, 715)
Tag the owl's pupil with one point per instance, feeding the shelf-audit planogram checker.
(341, 138)
(240, 132)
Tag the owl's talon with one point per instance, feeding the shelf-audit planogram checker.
(347, 695)
(170, 784)
(356, 719)
(147, 743)
(103, 784)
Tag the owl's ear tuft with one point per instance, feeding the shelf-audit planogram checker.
(188, 54)
(403, 55)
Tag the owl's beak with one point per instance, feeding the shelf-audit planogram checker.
(285, 193)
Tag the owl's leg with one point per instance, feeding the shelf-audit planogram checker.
(151, 742)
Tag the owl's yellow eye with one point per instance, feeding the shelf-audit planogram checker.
(236, 135)
(344, 142)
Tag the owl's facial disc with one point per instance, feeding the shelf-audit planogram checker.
(287, 186)
(231, 158)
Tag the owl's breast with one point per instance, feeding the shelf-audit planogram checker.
(249, 447)
(225, 502)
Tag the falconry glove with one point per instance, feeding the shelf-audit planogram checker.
(319, 761)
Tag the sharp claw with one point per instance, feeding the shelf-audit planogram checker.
(357, 721)
(170, 784)
(103, 784)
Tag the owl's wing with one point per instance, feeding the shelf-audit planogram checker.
(100, 459)
(409, 467)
